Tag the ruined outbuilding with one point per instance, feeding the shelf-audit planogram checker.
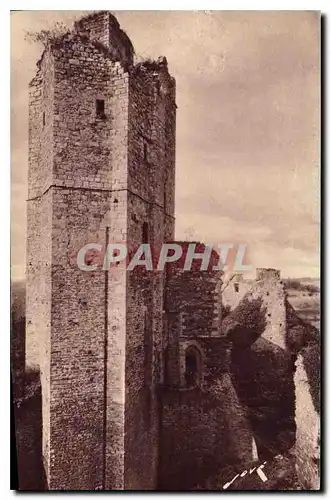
(276, 370)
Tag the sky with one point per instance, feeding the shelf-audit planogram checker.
(248, 126)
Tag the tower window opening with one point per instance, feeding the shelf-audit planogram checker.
(44, 119)
(165, 192)
(100, 108)
(145, 151)
(145, 235)
(167, 377)
(236, 287)
(192, 367)
(148, 362)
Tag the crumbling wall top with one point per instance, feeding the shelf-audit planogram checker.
(158, 71)
(103, 27)
(267, 274)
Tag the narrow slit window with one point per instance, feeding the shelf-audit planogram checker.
(236, 287)
(192, 367)
(100, 108)
(165, 192)
(44, 119)
(145, 151)
(145, 235)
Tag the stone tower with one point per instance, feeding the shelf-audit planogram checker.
(101, 170)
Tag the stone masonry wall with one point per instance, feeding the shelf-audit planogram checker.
(78, 344)
(205, 428)
(39, 234)
(28, 431)
(76, 180)
(194, 294)
(96, 26)
(104, 27)
(145, 294)
(307, 416)
(116, 293)
(273, 293)
(194, 439)
(17, 337)
(88, 335)
(191, 312)
(262, 364)
(202, 432)
(262, 374)
(82, 139)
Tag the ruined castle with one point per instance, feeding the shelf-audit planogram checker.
(137, 389)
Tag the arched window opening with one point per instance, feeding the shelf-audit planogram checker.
(145, 236)
(192, 367)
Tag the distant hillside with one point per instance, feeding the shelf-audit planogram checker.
(304, 296)
(309, 285)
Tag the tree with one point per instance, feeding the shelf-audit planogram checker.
(47, 36)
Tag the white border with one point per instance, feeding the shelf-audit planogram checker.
(172, 5)
(323, 6)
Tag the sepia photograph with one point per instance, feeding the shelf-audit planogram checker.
(165, 250)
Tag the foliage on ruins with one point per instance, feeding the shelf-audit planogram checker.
(47, 36)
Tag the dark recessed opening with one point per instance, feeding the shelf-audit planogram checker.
(145, 233)
(116, 200)
(100, 108)
(192, 367)
(236, 287)
(145, 151)
(165, 195)
(44, 119)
